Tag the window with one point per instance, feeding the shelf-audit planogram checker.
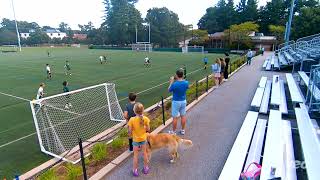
(51, 34)
(58, 34)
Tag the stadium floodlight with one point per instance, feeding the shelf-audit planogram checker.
(90, 114)
(17, 30)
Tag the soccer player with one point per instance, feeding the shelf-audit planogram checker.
(40, 92)
(147, 62)
(65, 90)
(205, 61)
(67, 68)
(105, 59)
(101, 58)
(48, 69)
(48, 53)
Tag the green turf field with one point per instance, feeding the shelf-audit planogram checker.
(21, 74)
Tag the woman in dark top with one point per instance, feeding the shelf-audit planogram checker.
(223, 65)
(226, 71)
(129, 113)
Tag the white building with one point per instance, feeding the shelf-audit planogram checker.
(25, 35)
(54, 33)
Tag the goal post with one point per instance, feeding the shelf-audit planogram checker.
(142, 47)
(193, 49)
(62, 119)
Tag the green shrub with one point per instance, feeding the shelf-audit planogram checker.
(123, 133)
(99, 151)
(155, 123)
(73, 171)
(117, 143)
(48, 175)
(87, 161)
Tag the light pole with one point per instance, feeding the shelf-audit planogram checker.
(15, 20)
(289, 22)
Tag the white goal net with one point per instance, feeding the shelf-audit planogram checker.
(192, 49)
(62, 119)
(142, 47)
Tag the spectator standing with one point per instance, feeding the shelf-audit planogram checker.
(226, 70)
(262, 51)
(138, 128)
(129, 113)
(249, 57)
(223, 66)
(178, 87)
(216, 69)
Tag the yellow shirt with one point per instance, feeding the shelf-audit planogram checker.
(139, 133)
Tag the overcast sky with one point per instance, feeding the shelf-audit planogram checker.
(74, 12)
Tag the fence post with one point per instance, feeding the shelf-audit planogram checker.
(207, 87)
(197, 89)
(82, 160)
(163, 116)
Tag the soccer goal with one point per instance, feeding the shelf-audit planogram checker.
(142, 47)
(193, 49)
(62, 119)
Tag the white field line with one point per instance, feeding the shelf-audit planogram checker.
(17, 97)
(19, 139)
(24, 137)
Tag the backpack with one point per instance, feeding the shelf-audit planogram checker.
(252, 174)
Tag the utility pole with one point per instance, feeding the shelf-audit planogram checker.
(15, 20)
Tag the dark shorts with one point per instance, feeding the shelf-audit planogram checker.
(48, 72)
(205, 63)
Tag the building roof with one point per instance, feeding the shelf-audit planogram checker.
(52, 31)
(216, 35)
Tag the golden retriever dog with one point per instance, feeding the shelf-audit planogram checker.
(164, 140)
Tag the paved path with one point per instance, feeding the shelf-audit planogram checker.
(213, 125)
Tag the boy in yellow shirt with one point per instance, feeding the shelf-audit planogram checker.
(138, 128)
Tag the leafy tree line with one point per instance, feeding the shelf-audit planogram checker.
(224, 14)
(121, 20)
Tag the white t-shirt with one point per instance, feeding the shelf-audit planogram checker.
(101, 58)
(40, 93)
(250, 54)
(146, 59)
(48, 69)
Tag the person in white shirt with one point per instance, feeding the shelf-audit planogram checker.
(101, 58)
(249, 57)
(147, 62)
(48, 69)
(40, 92)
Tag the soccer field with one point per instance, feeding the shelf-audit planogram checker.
(21, 74)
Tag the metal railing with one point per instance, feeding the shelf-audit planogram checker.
(313, 92)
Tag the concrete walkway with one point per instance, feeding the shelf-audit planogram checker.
(213, 125)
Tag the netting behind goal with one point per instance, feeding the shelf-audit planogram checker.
(193, 49)
(62, 119)
(141, 47)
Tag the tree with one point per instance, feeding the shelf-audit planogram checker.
(199, 37)
(277, 31)
(307, 22)
(63, 27)
(166, 29)
(209, 21)
(38, 37)
(121, 20)
(239, 34)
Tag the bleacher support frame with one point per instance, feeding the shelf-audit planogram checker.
(314, 82)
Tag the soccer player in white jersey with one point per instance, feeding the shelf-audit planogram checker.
(48, 69)
(147, 62)
(40, 92)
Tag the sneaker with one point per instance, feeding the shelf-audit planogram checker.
(146, 170)
(172, 132)
(66, 106)
(135, 173)
(182, 132)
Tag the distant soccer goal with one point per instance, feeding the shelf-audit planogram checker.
(62, 119)
(193, 49)
(142, 47)
(8, 48)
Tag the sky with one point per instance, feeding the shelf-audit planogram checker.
(74, 12)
